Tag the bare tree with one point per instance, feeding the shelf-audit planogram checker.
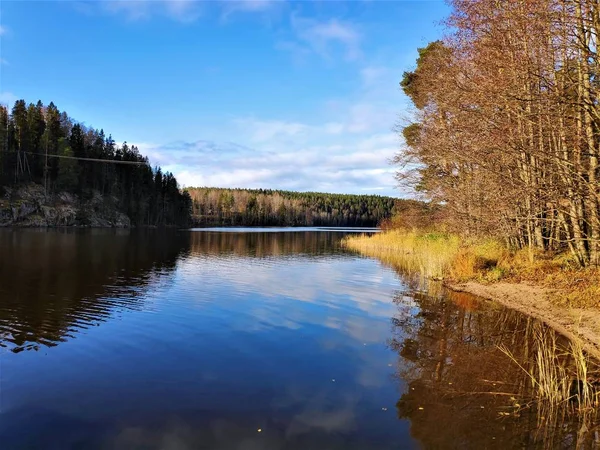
(507, 128)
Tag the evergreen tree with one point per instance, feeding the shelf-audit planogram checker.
(83, 161)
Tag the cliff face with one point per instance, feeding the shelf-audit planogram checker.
(27, 206)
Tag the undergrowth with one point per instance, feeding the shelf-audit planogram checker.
(446, 256)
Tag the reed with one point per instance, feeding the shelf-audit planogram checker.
(433, 254)
(559, 374)
(428, 254)
(438, 255)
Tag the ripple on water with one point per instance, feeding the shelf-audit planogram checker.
(203, 338)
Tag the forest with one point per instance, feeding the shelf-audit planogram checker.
(506, 124)
(248, 207)
(40, 144)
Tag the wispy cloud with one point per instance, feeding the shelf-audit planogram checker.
(7, 98)
(185, 11)
(232, 6)
(285, 155)
(371, 75)
(131, 10)
(267, 130)
(134, 10)
(323, 38)
(361, 118)
(3, 30)
(346, 146)
(299, 52)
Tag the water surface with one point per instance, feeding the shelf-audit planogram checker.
(252, 339)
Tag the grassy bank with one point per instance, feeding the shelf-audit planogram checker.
(454, 259)
(547, 287)
(435, 255)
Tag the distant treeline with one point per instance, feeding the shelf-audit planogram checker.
(218, 207)
(43, 145)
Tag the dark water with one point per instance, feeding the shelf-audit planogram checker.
(185, 340)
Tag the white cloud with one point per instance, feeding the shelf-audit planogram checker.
(358, 118)
(344, 146)
(226, 177)
(3, 30)
(185, 11)
(232, 6)
(266, 130)
(298, 51)
(132, 10)
(323, 38)
(371, 75)
(3, 62)
(333, 128)
(180, 10)
(287, 155)
(7, 98)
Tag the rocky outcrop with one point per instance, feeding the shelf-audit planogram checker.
(27, 206)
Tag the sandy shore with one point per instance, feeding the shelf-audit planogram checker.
(583, 324)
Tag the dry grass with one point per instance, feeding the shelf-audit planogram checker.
(558, 374)
(433, 255)
(576, 288)
(446, 256)
(428, 254)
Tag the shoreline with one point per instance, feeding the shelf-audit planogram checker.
(573, 323)
(444, 257)
(21, 226)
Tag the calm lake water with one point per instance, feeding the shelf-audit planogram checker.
(249, 339)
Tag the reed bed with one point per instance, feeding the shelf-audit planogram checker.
(432, 255)
(559, 374)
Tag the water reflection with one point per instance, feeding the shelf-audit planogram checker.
(460, 381)
(54, 283)
(266, 244)
(203, 338)
(228, 334)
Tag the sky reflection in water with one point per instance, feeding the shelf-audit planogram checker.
(181, 340)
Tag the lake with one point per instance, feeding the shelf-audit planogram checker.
(251, 339)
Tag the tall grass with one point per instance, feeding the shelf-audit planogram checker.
(428, 254)
(438, 255)
(433, 255)
(558, 374)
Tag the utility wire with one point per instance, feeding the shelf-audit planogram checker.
(110, 161)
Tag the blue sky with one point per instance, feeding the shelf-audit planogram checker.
(258, 93)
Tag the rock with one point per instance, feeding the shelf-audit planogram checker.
(28, 206)
(66, 197)
(59, 216)
(26, 210)
(22, 210)
(122, 221)
(5, 216)
(34, 220)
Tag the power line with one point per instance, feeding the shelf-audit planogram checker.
(110, 161)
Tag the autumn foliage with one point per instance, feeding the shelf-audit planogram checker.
(506, 129)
